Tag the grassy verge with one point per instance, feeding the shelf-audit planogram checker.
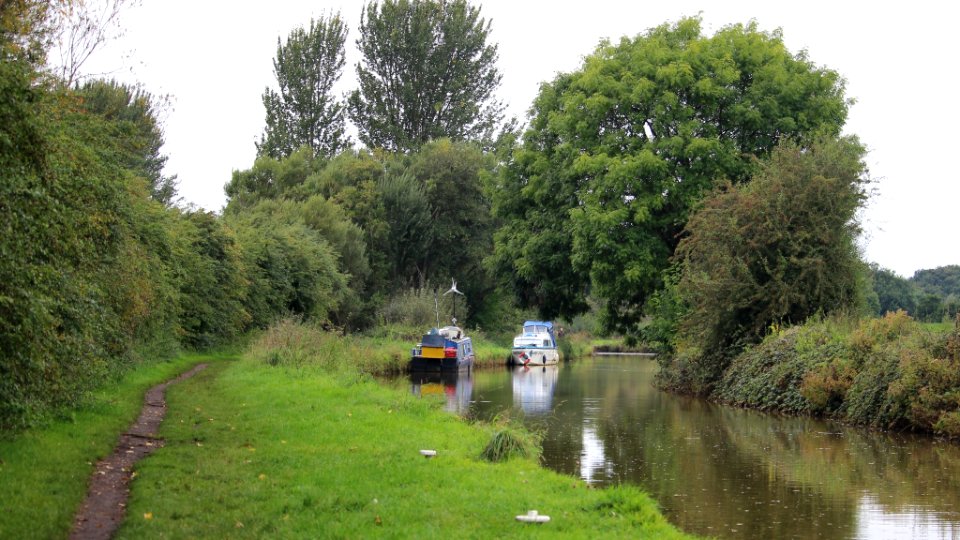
(44, 472)
(310, 448)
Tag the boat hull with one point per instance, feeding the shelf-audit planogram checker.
(535, 356)
(420, 363)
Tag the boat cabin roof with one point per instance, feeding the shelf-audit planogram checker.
(547, 326)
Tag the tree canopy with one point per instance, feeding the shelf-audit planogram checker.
(619, 152)
(304, 112)
(427, 73)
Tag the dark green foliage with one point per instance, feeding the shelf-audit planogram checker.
(62, 231)
(408, 215)
(132, 116)
(893, 292)
(427, 73)
(775, 250)
(292, 270)
(305, 112)
(212, 282)
(929, 308)
(769, 376)
(620, 151)
(943, 281)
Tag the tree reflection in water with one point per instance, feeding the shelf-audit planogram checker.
(729, 472)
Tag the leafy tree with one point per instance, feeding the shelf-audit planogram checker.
(894, 292)
(408, 217)
(619, 152)
(930, 308)
(942, 281)
(304, 112)
(213, 283)
(427, 73)
(132, 113)
(773, 251)
(291, 268)
(270, 178)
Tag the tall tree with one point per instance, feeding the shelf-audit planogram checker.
(132, 113)
(305, 112)
(427, 72)
(619, 152)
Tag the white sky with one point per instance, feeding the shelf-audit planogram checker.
(899, 59)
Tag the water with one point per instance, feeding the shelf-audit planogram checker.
(717, 470)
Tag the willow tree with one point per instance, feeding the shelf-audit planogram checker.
(619, 152)
(427, 73)
(304, 112)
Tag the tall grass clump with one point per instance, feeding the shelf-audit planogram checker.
(510, 440)
(296, 344)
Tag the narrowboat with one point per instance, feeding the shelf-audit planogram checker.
(443, 349)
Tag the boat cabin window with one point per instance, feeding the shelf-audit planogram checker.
(535, 329)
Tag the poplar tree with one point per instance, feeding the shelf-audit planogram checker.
(305, 112)
(427, 73)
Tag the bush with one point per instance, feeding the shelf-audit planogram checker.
(887, 373)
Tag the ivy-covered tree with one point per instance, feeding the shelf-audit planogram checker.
(427, 72)
(773, 251)
(304, 112)
(619, 152)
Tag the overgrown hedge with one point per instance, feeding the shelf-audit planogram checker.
(886, 373)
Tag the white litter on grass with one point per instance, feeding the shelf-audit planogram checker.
(428, 453)
(533, 517)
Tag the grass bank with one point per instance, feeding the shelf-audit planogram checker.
(285, 445)
(886, 373)
(44, 471)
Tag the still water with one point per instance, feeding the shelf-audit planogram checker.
(716, 470)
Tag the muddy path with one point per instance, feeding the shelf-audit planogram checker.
(103, 510)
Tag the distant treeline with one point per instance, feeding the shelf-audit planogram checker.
(930, 295)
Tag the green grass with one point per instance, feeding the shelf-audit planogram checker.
(260, 451)
(44, 471)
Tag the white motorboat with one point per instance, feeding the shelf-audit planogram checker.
(536, 346)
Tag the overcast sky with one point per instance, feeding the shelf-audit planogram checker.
(899, 59)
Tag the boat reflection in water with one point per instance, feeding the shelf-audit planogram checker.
(534, 387)
(455, 386)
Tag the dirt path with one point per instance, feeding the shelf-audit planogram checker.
(103, 510)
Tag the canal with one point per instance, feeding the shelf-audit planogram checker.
(716, 470)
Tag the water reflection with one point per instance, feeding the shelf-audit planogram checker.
(721, 471)
(533, 389)
(455, 387)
